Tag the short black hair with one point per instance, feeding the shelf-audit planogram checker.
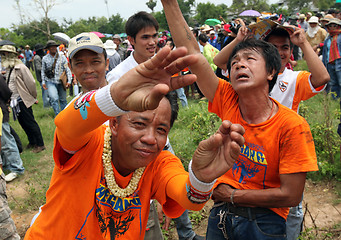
(203, 38)
(267, 50)
(279, 32)
(140, 21)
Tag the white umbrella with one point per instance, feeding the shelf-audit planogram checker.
(61, 37)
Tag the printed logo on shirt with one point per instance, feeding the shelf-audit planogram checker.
(250, 163)
(82, 103)
(115, 215)
(283, 86)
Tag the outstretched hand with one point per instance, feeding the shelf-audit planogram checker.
(143, 87)
(216, 155)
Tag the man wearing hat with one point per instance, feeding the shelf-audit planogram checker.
(315, 34)
(53, 65)
(301, 21)
(28, 57)
(113, 56)
(24, 95)
(331, 55)
(119, 49)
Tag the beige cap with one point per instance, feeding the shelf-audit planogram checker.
(313, 20)
(89, 41)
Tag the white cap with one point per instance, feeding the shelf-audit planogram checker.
(110, 47)
(85, 40)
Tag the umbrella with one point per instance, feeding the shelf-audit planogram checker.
(100, 35)
(6, 42)
(250, 13)
(61, 37)
(212, 22)
(123, 35)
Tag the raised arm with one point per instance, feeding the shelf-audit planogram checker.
(222, 57)
(319, 73)
(182, 36)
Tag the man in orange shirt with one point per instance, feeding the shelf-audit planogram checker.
(252, 199)
(104, 177)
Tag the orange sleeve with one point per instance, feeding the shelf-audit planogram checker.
(75, 124)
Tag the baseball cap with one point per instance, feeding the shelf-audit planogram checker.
(86, 40)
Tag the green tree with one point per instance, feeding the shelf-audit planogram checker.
(209, 10)
(240, 5)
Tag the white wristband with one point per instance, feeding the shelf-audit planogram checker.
(196, 183)
(105, 102)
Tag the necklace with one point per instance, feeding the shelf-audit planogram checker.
(109, 171)
(272, 110)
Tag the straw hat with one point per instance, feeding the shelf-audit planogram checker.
(8, 48)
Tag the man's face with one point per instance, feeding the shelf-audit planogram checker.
(313, 25)
(248, 72)
(53, 50)
(283, 46)
(139, 137)
(144, 43)
(116, 41)
(89, 68)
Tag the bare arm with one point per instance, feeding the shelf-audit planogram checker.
(206, 78)
(287, 195)
(319, 73)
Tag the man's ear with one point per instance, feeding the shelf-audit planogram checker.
(131, 40)
(113, 124)
(271, 75)
(107, 64)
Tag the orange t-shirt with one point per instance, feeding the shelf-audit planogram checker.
(78, 203)
(280, 145)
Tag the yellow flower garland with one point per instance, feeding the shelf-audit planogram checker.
(109, 171)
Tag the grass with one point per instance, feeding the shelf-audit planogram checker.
(194, 124)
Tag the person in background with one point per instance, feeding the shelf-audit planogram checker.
(119, 49)
(53, 65)
(209, 51)
(315, 34)
(24, 95)
(113, 56)
(331, 55)
(10, 154)
(28, 57)
(37, 60)
(302, 22)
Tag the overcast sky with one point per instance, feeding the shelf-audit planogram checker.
(76, 9)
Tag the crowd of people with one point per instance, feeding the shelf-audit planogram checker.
(115, 170)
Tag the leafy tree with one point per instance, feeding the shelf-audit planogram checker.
(32, 35)
(6, 34)
(43, 7)
(209, 10)
(151, 4)
(259, 5)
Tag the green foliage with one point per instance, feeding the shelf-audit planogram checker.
(209, 10)
(322, 114)
(240, 5)
(194, 124)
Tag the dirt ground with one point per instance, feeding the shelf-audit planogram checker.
(321, 205)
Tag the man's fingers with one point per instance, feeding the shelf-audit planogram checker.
(181, 63)
(182, 81)
(156, 94)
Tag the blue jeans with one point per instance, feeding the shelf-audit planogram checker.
(181, 95)
(262, 226)
(294, 222)
(184, 227)
(45, 96)
(9, 151)
(57, 96)
(335, 79)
